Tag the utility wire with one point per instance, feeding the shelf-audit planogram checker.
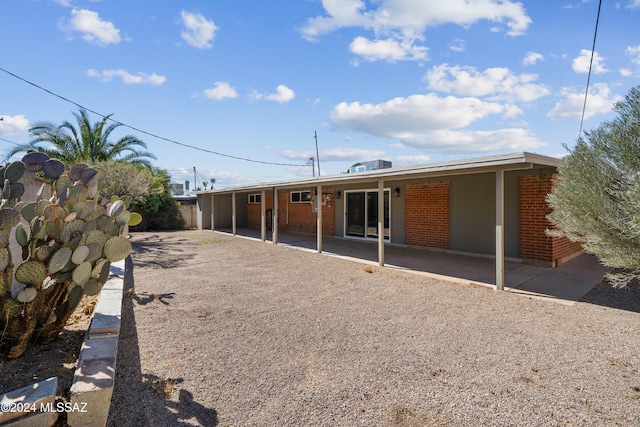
(593, 49)
(145, 132)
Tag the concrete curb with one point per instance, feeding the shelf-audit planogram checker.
(94, 377)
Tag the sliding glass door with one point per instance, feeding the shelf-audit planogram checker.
(362, 214)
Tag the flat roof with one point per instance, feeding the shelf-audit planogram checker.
(513, 161)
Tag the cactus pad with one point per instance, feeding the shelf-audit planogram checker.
(134, 219)
(28, 211)
(16, 190)
(117, 248)
(10, 217)
(31, 272)
(92, 287)
(27, 295)
(82, 273)
(59, 259)
(22, 235)
(95, 251)
(34, 161)
(53, 168)
(116, 208)
(14, 171)
(80, 254)
(75, 295)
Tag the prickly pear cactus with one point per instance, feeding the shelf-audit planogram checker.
(57, 241)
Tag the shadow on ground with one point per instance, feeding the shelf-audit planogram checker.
(604, 294)
(146, 399)
(157, 252)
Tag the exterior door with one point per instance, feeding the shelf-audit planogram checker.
(362, 214)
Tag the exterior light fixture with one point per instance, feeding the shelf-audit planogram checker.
(396, 192)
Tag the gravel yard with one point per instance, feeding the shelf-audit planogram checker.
(232, 332)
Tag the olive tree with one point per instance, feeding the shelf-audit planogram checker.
(596, 199)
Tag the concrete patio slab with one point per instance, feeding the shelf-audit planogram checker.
(566, 284)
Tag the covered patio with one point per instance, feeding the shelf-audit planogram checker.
(566, 284)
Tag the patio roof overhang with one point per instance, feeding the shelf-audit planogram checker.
(514, 161)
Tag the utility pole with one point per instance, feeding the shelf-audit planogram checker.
(195, 183)
(315, 135)
(312, 162)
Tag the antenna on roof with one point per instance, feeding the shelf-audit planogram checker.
(315, 135)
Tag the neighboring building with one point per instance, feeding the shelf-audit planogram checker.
(370, 166)
(180, 192)
(490, 205)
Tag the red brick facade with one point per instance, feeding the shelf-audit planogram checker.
(427, 214)
(300, 216)
(534, 243)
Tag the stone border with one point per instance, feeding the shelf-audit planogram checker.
(94, 377)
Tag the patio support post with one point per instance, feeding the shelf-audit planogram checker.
(233, 214)
(263, 216)
(500, 229)
(274, 217)
(319, 217)
(381, 222)
(213, 209)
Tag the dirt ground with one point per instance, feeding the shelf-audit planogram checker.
(232, 332)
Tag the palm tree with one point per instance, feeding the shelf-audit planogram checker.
(86, 143)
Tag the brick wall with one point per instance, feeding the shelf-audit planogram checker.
(427, 216)
(534, 242)
(301, 218)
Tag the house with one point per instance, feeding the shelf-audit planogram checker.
(492, 206)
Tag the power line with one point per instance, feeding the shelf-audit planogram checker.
(593, 49)
(145, 132)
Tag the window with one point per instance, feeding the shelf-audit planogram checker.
(254, 198)
(300, 196)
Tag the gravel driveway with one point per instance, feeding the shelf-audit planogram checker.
(231, 332)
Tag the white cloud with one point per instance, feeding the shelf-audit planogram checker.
(199, 32)
(414, 16)
(634, 53)
(599, 101)
(13, 125)
(434, 123)
(335, 154)
(457, 45)
(390, 49)
(283, 94)
(397, 24)
(581, 63)
(495, 83)
(625, 72)
(415, 114)
(128, 78)
(94, 29)
(220, 91)
(633, 4)
(532, 58)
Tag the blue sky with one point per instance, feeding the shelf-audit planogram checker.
(410, 81)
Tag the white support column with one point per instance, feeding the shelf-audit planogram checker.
(274, 217)
(233, 214)
(500, 229)
(263, 216)
(213, 210)
(381, 222)
(319, 218)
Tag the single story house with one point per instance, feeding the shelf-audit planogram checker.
(494, 206)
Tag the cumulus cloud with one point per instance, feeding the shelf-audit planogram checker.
(634, 53)
(93, 29)
(335, 154)
(397, 24)
(283, 95)
(633, 4)
(599, 101)
(433, 122)
(532, 58)
(199, 32)
(581, 63)
(415, 15)
(496, 83)
(457, 45)
(220, 91)
(128, 78)
(13, 125)
(390, 49)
